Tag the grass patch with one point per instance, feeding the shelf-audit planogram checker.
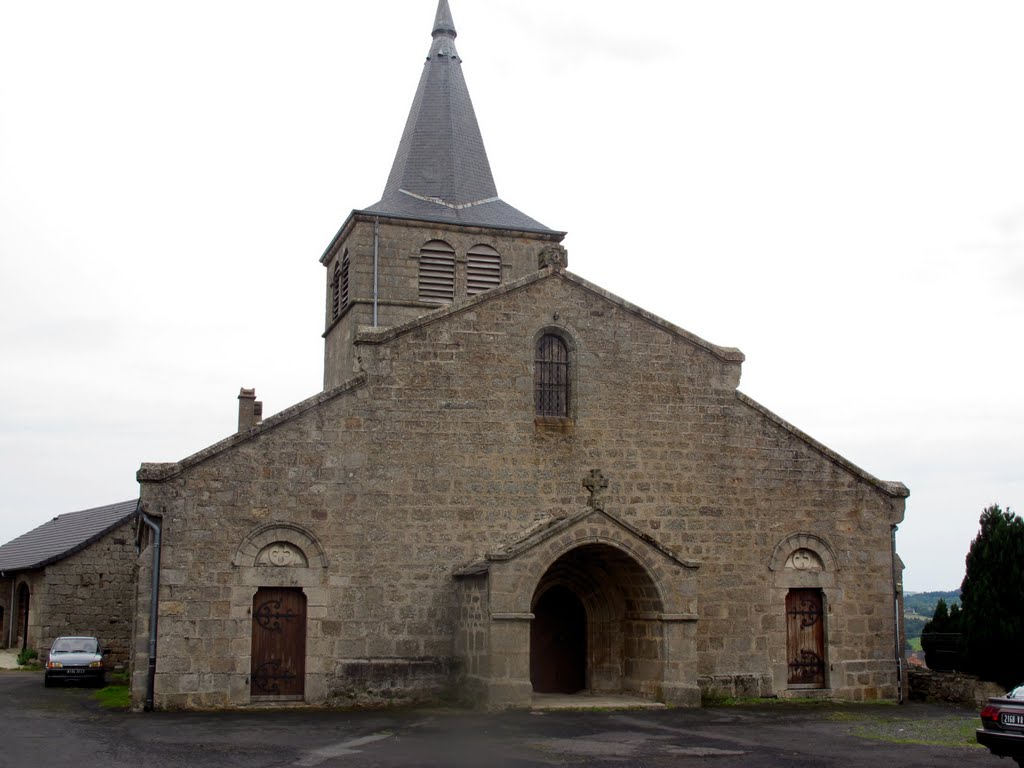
(914, 643)
(712, 699)
(946, 731)
(114, 697)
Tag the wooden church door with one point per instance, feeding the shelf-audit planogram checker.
(278, 643)
(805, 638)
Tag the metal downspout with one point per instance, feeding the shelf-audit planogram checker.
(376, 244)
(154, 601)
(896, 617)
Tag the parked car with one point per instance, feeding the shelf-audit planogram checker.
(75, 659)
(1003, 721)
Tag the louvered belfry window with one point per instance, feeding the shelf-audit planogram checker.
(336, 291)
(339, 286)
(343, 290)
(551, 377)
(483, 269)
(437, 272)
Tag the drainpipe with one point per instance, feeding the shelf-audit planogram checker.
(153, 605)
(376, 244)
(896, 617)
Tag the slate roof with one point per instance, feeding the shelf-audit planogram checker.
(441, 172)
(63, 536)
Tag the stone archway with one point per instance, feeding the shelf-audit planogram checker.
(639, 617)
(597, 625)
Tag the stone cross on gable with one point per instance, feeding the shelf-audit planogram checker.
(596, 483)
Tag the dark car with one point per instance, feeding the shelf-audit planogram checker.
(1003, 721)
(75, 659)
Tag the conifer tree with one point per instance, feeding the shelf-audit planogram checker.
(992, 597)
(940, 639)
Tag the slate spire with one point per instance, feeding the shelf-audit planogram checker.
(441, 171)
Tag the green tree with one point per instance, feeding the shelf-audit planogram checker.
(992, 598)
(941, 640)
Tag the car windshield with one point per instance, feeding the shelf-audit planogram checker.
(1016, 693)
(74, 645)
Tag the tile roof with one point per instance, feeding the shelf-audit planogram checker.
(63, 536)
(441, 172)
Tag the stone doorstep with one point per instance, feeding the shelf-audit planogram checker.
(8, 659)
(554, 701)
(806, 693)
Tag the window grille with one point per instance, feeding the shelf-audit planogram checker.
(483, 269)
(437, 273)
(551, 377)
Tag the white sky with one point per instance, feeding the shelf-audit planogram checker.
(836, 188)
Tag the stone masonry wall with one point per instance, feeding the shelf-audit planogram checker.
(91, 593)
(399, 245)
(438, 459)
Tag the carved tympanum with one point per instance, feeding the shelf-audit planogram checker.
(282, 555)
(805, 560)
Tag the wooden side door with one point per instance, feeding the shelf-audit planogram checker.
(805, 638)
(278, 643)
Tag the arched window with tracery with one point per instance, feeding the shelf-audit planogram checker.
(551, 377)
(437, 273)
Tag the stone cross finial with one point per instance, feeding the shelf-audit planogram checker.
(596, 483)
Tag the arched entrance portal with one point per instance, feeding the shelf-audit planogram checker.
(597, 625)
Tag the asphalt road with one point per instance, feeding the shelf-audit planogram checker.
(63, 728)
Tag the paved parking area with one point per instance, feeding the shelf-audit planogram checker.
(64, 728)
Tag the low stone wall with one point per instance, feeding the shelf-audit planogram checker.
(741, 686)
(951, 687)
(391, 682)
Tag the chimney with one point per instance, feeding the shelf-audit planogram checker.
(250, 410)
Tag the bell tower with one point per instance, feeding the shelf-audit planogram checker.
(440, 234)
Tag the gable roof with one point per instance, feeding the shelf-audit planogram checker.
(63, 536)
(441, 171)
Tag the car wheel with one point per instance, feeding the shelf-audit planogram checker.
(47, 682)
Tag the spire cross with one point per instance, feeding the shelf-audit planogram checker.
(595, 483)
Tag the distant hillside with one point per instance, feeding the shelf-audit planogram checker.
(923, 603)
(918, 609)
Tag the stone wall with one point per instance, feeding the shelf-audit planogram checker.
(433, 457)
(91, 593)
(398, 248)
(951, 688)
(87, 593)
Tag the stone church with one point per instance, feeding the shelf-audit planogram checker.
(513, 483)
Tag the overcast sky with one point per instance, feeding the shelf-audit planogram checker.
(836, 188)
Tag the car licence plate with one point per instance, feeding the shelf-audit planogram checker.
(1012, 718)
(82, 672)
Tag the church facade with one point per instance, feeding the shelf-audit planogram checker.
(513, 483)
